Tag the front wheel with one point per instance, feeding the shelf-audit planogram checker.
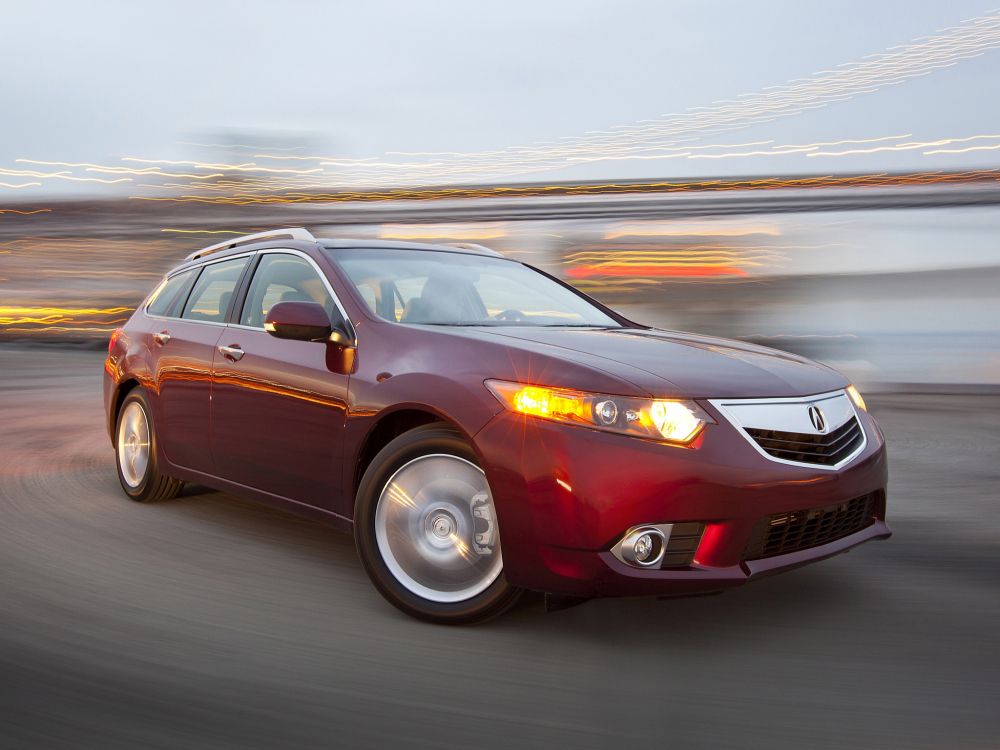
(426, 530)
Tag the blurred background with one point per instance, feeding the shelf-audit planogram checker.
(817, 177)
(824, 181)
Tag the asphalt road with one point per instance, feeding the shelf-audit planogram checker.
(210, 622)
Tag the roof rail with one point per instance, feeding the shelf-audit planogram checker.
(476, 248)
(296, 233)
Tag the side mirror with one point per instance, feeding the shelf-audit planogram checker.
(301, 321)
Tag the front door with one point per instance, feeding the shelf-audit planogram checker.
(278, 410)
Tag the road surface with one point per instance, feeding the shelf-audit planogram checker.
(210, 622)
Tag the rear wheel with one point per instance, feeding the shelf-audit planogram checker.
(426, 529)
(135, 451)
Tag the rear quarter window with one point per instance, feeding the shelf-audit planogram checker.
(168, 298)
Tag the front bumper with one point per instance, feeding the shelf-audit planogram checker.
(565, 495)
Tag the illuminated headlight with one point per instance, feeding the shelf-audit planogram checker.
(668, 420)
(856, 397)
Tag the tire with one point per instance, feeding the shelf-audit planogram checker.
(135, 453)
(425, 528)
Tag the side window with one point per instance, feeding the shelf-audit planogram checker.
(170, 295)
(213, 291)
(282, 277)
(369, 295)
(407, 290)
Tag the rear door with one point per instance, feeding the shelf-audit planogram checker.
(183, 341)
(278, 409)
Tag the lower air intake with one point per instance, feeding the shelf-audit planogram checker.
(782, 533)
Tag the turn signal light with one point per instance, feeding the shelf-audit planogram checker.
(856, 397)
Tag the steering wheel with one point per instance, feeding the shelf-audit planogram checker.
(510, 315)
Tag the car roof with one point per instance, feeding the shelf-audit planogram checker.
(466, 248)
(224, 252)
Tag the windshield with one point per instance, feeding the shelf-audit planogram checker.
(456, 289)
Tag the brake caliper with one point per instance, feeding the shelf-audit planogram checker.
(484, 533)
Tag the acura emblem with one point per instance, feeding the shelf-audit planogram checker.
(817, 418)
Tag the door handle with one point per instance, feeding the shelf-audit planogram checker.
(161, 338)
(232, 353)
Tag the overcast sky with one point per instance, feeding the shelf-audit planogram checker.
(96, 81)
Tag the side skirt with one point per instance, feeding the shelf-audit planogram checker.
(341, 523)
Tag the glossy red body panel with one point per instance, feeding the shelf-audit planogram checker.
(288, 423)
(277, 418)
(560, 536)
(178, 376)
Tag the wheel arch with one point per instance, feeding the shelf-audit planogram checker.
(122, 390)
(390, 425)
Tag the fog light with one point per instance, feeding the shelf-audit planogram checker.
(643, 547)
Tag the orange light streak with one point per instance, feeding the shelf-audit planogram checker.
(442, 231)
(586, 271)
(680, 229)
(20, 315)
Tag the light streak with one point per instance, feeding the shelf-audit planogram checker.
(400, 496)
(678, 135)
(91, 272)
(680, 229)
(63, 175)
(152, 171)
(59, 329)
(442, 231)
(203, 231)
(877, 179)
(852, 141)
(962, 150)
(909, 146)
(20, 315)
(198, 164)
(584, 272)
(461, 546)
(738, 154)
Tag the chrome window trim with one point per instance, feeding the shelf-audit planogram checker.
(208, 260)
(319, 272)
(721, 403)
(185, 269)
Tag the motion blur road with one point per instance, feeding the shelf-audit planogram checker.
(211, 622)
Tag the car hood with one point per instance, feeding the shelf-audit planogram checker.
(670, 363)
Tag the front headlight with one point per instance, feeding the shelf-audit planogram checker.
(856, 397)
(668, 420)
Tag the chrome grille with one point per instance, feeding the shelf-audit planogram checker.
(825, 450)
(822, 431)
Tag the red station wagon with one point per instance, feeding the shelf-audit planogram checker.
(483, 428)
